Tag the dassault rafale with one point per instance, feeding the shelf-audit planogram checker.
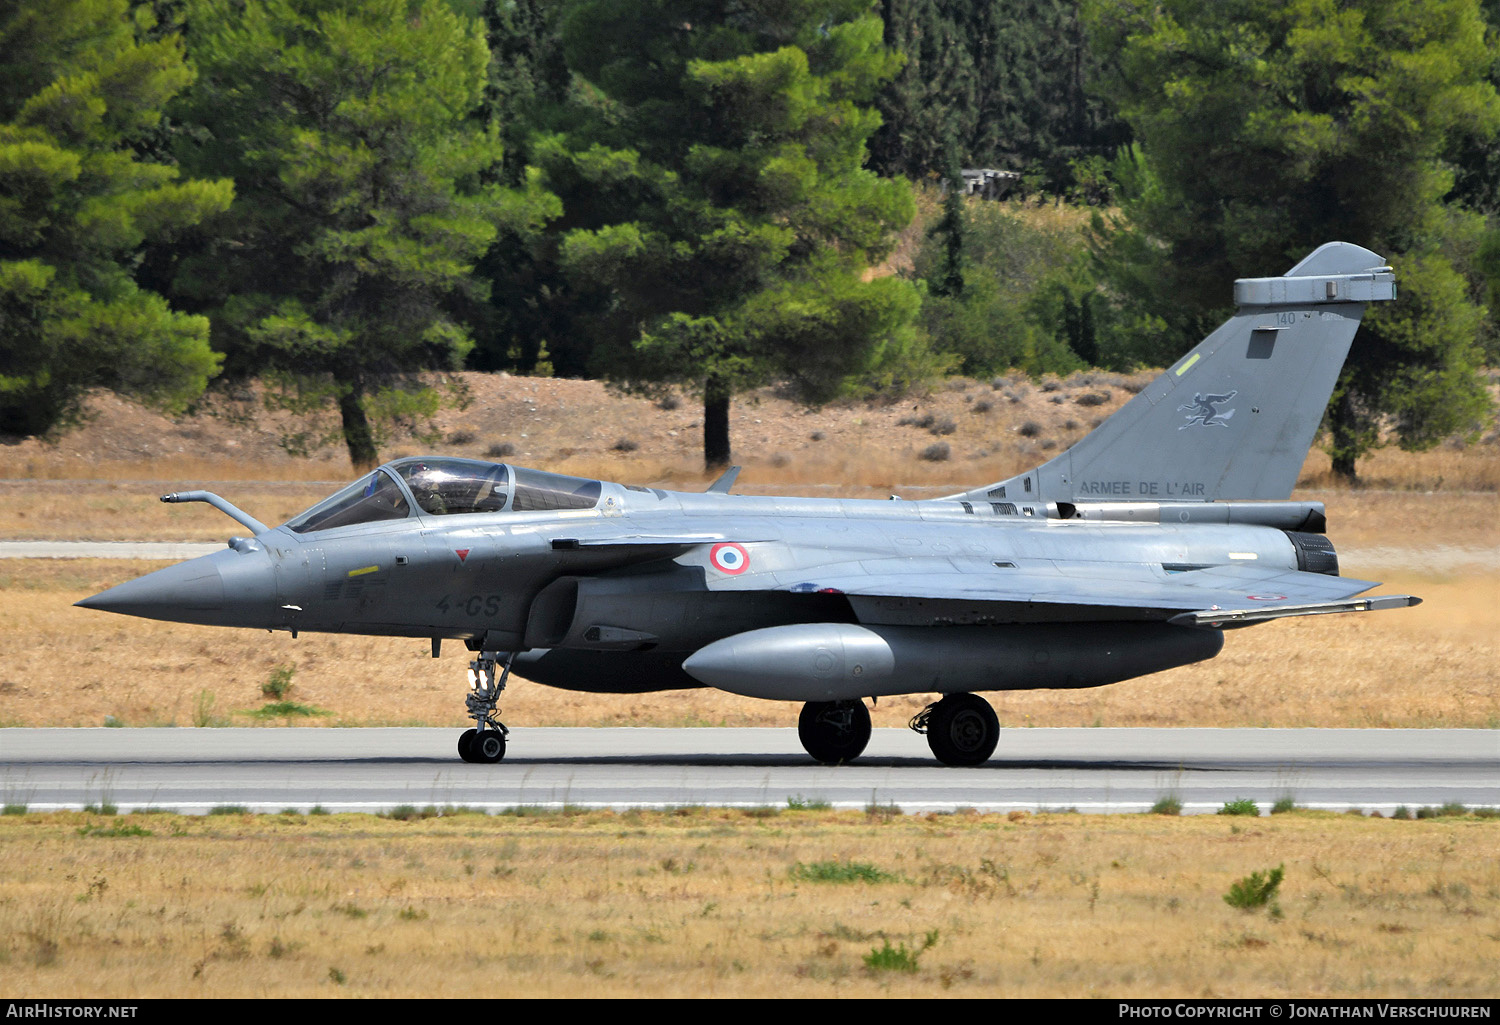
(1130, 553)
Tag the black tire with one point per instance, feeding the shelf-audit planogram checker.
(466, 745)
(489, 746)
(834, 732)
(963, 730)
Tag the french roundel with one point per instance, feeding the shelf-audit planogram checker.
(729, 558)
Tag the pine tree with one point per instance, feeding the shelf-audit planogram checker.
(1267, 128)
(79, 93)
(367, 191)
(721, 198)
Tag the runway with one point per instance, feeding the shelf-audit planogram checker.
(1087, 770)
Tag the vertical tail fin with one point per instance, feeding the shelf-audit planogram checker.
(1234, 418)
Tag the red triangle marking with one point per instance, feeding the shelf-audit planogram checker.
(462, 553)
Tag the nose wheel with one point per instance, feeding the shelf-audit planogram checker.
(834, 732)
(486, 742)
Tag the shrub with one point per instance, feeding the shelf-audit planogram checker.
(1030, 429)
(839, 872)
(500, 449)
(1240, 806)
(891, 959)
(1092, 398)
(1284, 805)
(800, 803)
(938, 453)
(279, 685)
(1451, 809)
(1255, 890)
(900, 958)
(943, 427)
(1169, 805)
(626, 445)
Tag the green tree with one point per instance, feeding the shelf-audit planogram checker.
(1267, 127)
(78, 93)
(1000, 299)
(532, 306)
(367, 191)
(1008, 83)
(727, 210)
(929, 106)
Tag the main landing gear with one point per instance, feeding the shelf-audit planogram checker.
(834, 732)
(962, 729)
(486, 742)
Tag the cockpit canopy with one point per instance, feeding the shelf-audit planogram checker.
(441, 486)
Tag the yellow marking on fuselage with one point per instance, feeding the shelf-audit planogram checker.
(1190, 361)
(362, 572)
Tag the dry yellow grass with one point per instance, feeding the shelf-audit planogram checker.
(1433, 665)
(717, 903)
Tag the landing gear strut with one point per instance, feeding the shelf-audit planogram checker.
(486, 742)
(962, 729)
(834, 732)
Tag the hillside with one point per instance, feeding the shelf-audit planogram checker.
(962, 433)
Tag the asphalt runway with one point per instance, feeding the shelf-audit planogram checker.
(1088, 770)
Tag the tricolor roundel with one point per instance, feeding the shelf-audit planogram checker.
(729, 558)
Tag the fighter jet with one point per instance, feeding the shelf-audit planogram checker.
(1128, 554)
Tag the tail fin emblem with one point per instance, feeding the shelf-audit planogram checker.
(1204, 411)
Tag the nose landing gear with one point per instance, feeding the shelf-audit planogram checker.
(486, 742)
(834, 732)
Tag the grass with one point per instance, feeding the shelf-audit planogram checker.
(708, 902)
(1240, 806)
(287, 710)
(119, 828)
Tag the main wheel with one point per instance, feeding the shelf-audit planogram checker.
(963, 729)
(488, 746)
(834, 732)
(466, 744)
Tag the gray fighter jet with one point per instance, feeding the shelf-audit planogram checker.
(1128, 554)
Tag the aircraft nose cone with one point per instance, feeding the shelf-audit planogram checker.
(194, 586)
